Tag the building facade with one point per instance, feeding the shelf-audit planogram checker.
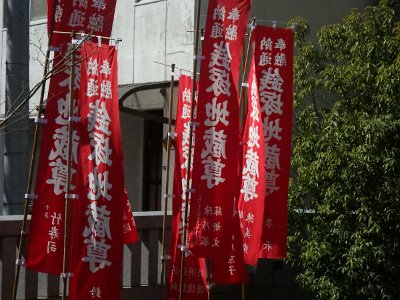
(155, 34)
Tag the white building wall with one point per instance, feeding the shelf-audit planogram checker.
(149, 41)
(124, 28)
(179, 34)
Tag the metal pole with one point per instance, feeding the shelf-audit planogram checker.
(32, 164)
(166, 195)
(68, 187)
(192, 101)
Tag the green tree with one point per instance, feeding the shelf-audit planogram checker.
(345, 194)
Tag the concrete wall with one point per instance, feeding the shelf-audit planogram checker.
(318, 13)
(153, 30)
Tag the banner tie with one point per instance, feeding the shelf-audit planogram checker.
(194, 124)
(74, 119)
(71, 196)
(67, 275)
(185, 250)
(54, 49)
(40, 120)
(31, 196)
(20, 262)
(172, 134)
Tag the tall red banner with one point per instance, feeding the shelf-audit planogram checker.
(45, 247)
(274, 70)
(97, 227)
(87, 16)
(194, 286)
(215, 171)
(252, 191)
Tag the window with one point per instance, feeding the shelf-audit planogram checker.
(152, 163)
(38, 9)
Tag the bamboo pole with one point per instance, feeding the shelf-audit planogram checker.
(192, 102)
(64, 274)
(23, 233)
(166, 195)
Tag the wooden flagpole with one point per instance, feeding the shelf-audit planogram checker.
(188, 173)
(29, 194)
(242, 98)
(65, 275)
(164, 257)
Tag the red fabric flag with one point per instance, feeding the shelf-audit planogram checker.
(97, 227)
(274, 69)
(87, 16)
(45, 240)
(252, 192)
(194, 286)
(215, 171)
(231, 268)
(129, 226)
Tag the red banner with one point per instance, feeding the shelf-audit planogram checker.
(87, 16)
(46, 232)
(215, 171)
(274, 69)
(129, 226)
(97, 227)
(231, 268)
(194, 286)
(45, 251)
(252, 192)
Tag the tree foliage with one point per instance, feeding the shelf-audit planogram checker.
(345, 195)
